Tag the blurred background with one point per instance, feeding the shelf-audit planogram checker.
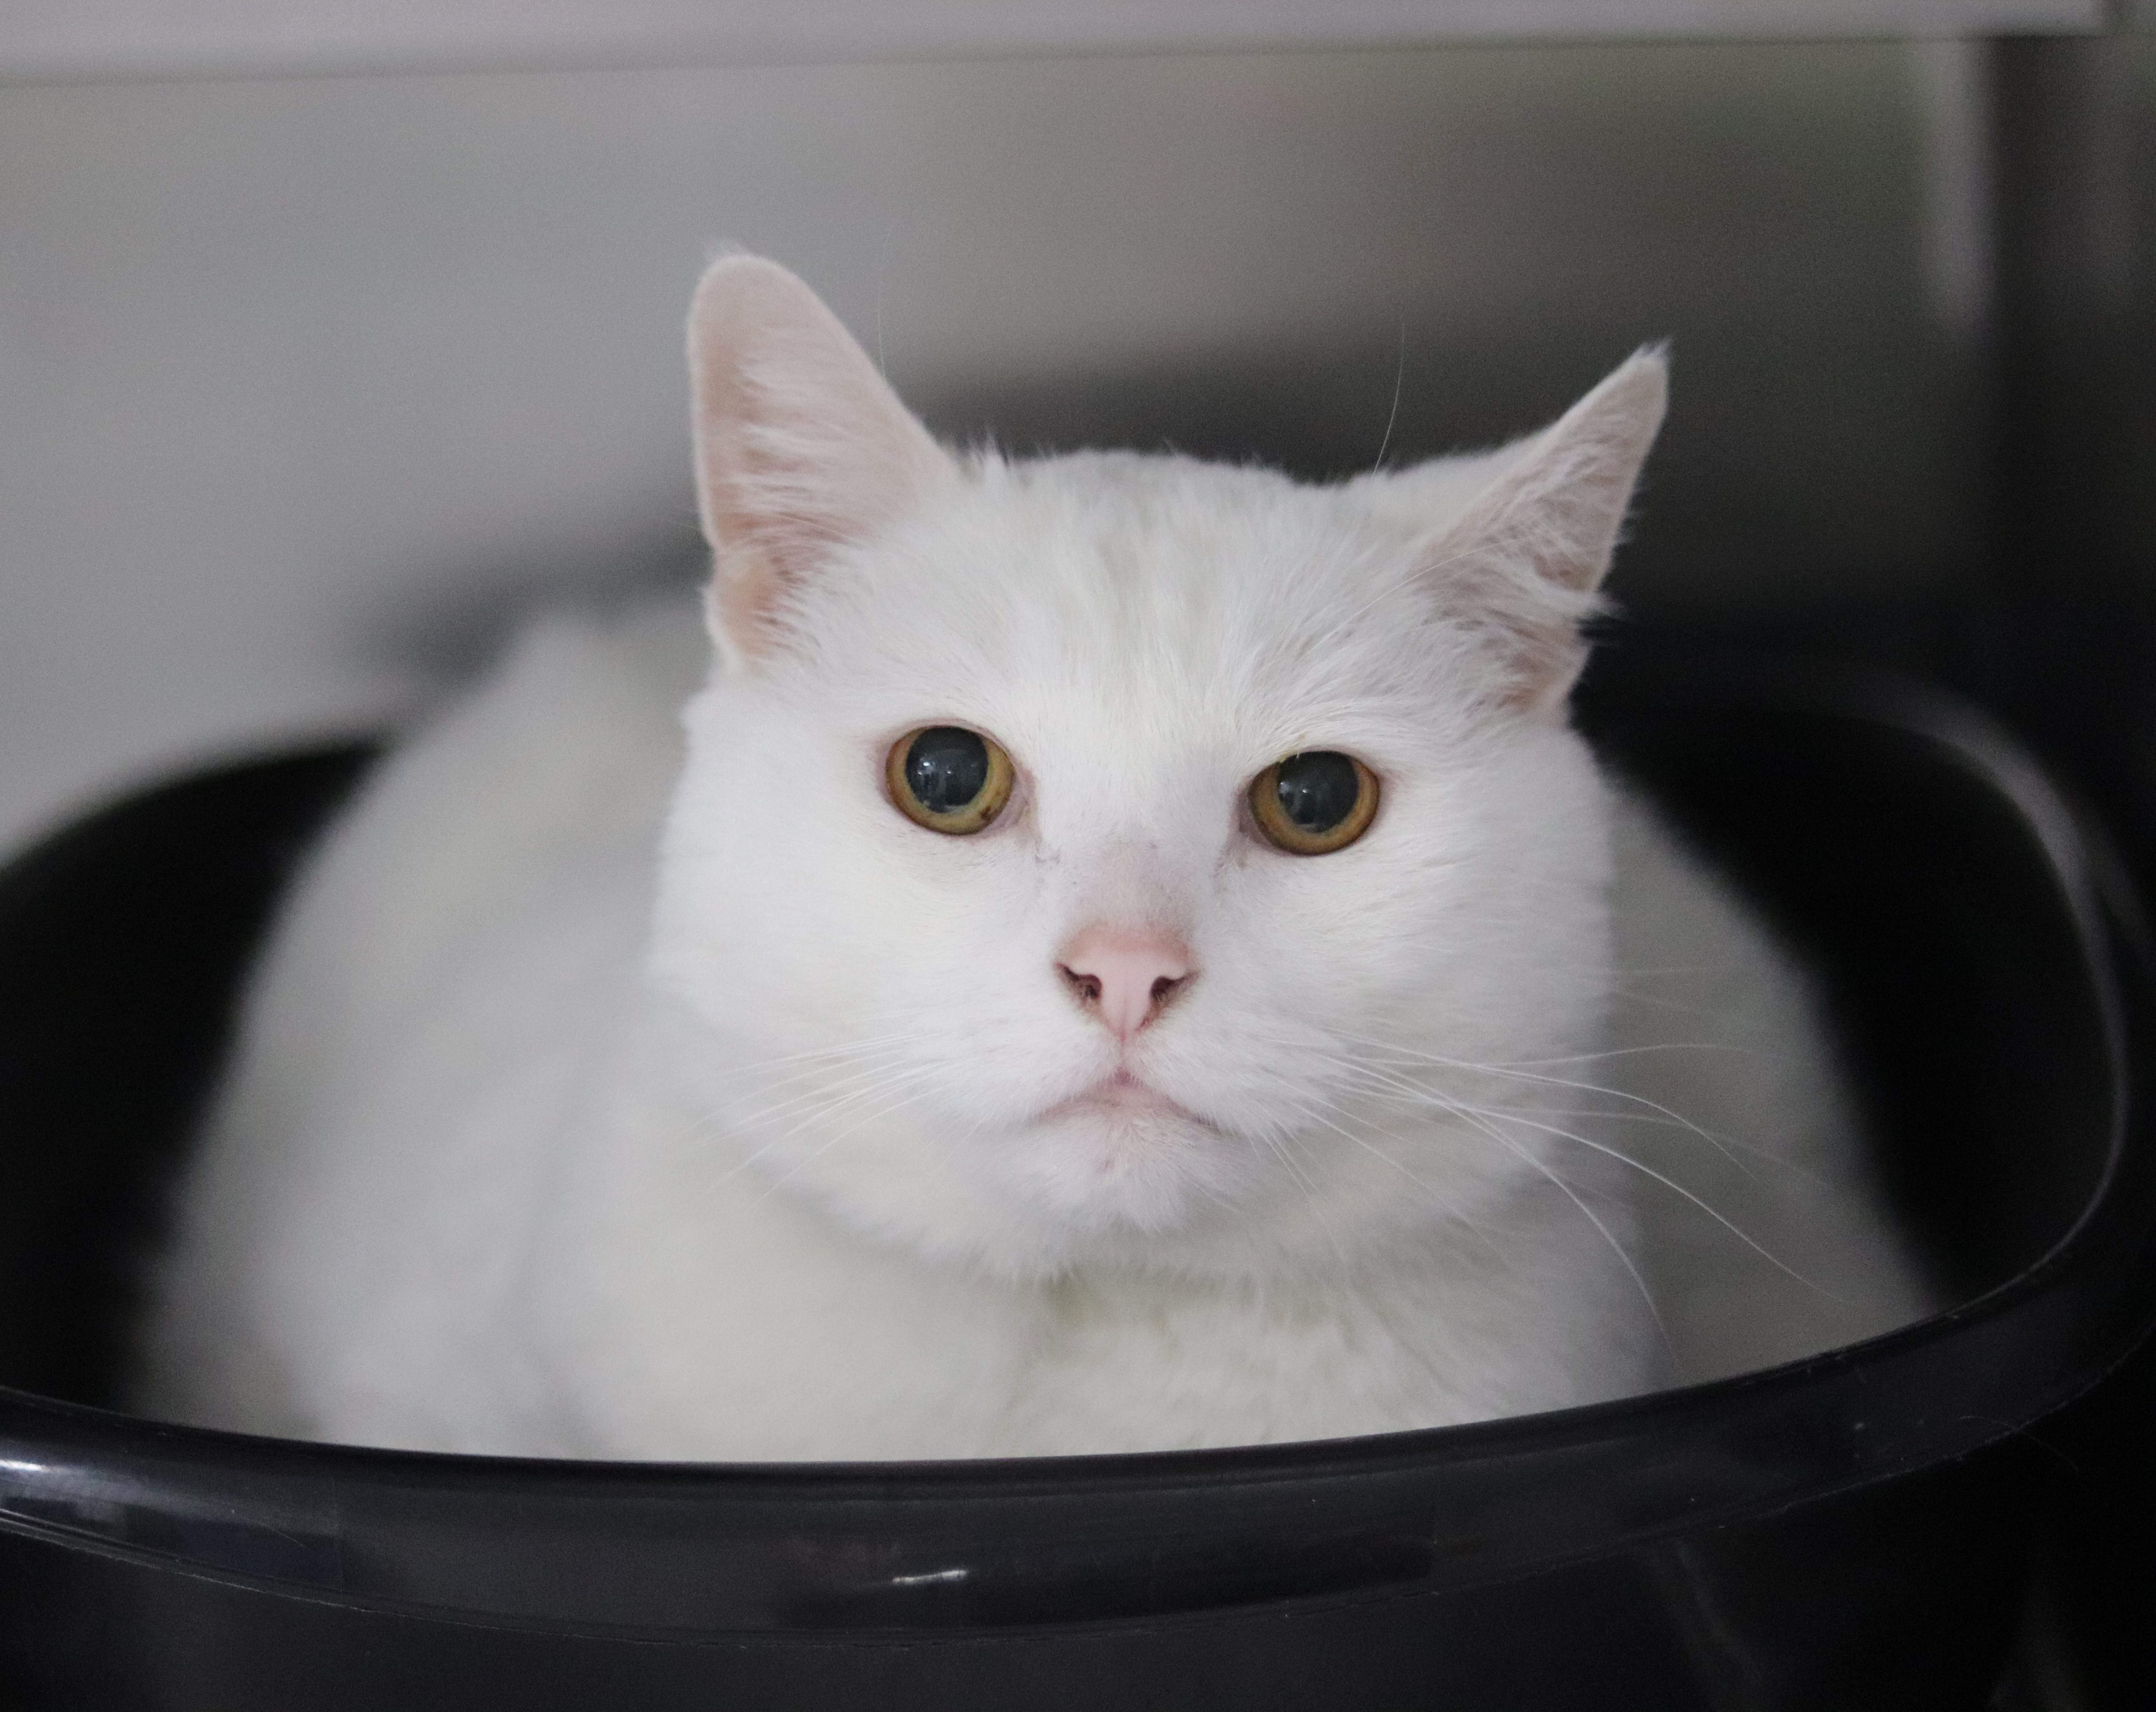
(333, 332)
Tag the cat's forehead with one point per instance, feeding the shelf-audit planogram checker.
(1137, 578)
(1164, 544)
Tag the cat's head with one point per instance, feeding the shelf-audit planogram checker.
(1123, 859)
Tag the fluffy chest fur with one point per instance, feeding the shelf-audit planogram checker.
(736, 1084)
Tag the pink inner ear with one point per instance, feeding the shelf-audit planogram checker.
(801, 444)
(1527, 558)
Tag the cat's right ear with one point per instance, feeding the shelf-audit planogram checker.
(1522, 562)
(801, 447)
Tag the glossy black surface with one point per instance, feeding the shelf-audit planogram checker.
(1850, 1532)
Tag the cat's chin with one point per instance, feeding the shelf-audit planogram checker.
(1121, 1154)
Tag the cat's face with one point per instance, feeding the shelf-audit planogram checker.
(1112, 1004)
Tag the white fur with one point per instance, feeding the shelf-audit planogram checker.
(602, 1097)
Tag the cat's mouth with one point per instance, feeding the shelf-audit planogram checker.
(1124, 1095)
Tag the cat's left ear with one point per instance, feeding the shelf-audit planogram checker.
(1523, 562)
(801, 447)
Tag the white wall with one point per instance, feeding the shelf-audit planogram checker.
(302, 382)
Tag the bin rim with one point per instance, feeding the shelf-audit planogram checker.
(1981, 1371)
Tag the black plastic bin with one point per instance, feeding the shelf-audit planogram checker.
(1850, 1532)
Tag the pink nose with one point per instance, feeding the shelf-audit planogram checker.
(1124, 975)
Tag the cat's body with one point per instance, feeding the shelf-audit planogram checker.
(584, 1112)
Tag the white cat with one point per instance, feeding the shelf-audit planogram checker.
(1132, 955)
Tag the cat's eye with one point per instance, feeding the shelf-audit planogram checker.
(948, 779)
(1314, 802)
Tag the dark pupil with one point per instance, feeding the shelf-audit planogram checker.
(1317, 791)
(946, 768)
